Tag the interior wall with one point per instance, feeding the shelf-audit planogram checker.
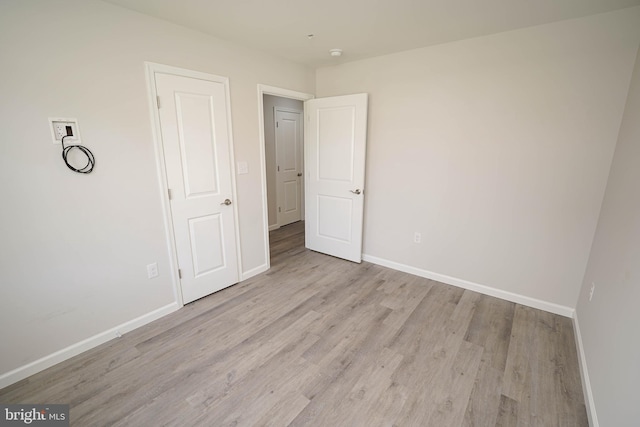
(270, 102)
(609, 322)
(496, 149)
(75, 247)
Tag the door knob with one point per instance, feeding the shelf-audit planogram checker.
(299, 173)
(226, 202)
(357, 191)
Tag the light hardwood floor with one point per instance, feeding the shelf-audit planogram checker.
(318, 341)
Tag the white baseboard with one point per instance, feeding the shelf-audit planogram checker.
(34, 367)
(273, 227)
(584, 373)
(254, 272)
(486, 290)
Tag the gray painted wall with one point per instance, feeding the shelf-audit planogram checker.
(74, 248)
(609, 322)
(497, 150)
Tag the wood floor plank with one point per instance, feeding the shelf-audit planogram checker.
(517, 378)
(423, 336)
(452, 394)
(567, 379)
(318, 341)
(484, 402)
(288, 370)
(432, 368)
(490, 328)
(458, 323)
(507, 413)
(388, 406)
(416, 290)
(253, 355)
(284, 411)
(540, 341)
(340, 369)
(349, 409)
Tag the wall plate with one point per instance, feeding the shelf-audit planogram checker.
(57, 126)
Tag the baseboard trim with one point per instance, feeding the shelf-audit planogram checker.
(486, 290)
(43, 363)
(273, 227)
(254, 272)
(584, 373)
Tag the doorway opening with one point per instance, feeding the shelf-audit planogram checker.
(283, 146)
(281, 114)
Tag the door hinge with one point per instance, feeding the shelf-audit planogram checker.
(279, 209)
(179, 274)
(158, 101)
(277, 124)
(169, 193)
(278, 168)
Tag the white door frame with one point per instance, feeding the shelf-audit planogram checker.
(151, 69)
(285, 93)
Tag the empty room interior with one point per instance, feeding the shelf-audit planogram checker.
(328, 213)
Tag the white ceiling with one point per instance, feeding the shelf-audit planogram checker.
(362, 28)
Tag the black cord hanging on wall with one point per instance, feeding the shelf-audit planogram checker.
(91, 161)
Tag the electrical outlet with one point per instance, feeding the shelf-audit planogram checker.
(417, 237)
(61, 127)
(152, 270)
(593, 288)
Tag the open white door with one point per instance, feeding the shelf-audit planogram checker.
(197, 153)
(335, 145)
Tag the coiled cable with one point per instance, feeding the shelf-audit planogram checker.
(91, 161)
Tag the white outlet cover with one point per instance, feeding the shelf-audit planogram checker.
(152, 270)
(69, 121)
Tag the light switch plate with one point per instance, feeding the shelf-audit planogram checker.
(243, 168)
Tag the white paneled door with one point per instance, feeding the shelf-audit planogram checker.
(196, 143)
(289, 165)
(335, 145)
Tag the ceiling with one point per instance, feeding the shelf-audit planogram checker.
(362, 28)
